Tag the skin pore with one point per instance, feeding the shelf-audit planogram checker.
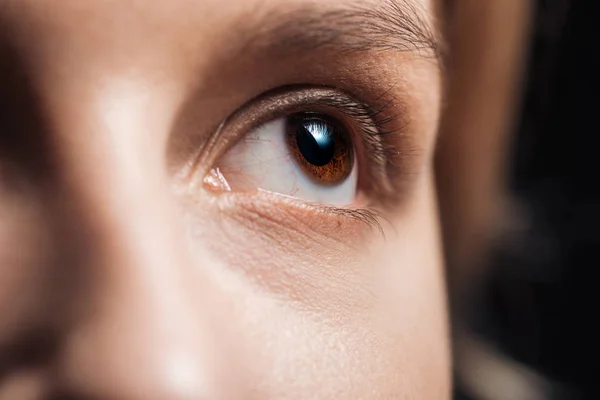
(126, 274)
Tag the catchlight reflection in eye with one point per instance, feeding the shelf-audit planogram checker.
(309, 156)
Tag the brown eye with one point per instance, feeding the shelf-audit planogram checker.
(306, 155)
(321, 146)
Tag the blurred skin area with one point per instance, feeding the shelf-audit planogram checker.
(127, 273)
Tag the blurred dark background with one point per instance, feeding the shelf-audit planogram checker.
(539, 303)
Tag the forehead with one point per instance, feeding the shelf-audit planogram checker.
(216, 20)
(184, 36)
(188, 8)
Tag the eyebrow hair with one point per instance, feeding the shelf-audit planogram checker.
(389, 25)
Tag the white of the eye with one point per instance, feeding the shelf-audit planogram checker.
(262, 160)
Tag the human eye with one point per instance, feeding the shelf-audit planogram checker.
(313, 144)
(306, 155)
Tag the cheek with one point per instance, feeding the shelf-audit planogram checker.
(328, 307)
(310, 260)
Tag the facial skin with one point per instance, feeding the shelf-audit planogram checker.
(128, 271)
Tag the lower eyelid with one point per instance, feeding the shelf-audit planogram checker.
(272, 214)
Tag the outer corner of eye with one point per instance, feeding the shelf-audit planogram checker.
(307, 155)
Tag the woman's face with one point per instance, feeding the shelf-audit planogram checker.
(205, 199)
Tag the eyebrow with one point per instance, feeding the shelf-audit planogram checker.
(388, 25)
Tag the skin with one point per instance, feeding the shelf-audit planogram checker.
(124, 276)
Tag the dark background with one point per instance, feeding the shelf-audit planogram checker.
(540, 303)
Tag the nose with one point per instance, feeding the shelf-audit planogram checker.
(145, 334)
(149, 318)
(153, 323)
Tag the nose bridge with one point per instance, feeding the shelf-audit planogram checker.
(151, 322)
(148, 327)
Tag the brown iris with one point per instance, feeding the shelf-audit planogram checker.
(321, 146)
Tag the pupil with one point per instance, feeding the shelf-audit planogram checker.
(315, 141)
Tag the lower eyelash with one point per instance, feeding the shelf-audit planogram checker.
(368, 217)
